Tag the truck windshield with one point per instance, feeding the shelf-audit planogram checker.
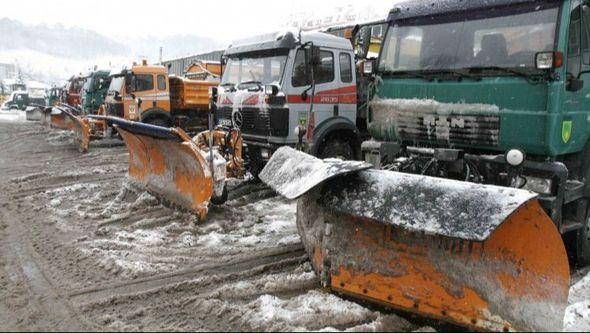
(88, 84)
(501, 38)
(116, 84)
(254, 69)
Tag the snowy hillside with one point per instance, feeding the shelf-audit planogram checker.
(54, 53)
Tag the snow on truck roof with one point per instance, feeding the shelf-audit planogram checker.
(418, 8)
(286, 40)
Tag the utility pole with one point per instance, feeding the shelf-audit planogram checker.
(161, 50)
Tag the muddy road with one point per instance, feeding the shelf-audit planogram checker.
(82, 249)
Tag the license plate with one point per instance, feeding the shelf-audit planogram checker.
(225, 122)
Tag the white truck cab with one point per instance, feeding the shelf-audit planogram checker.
(291, 88)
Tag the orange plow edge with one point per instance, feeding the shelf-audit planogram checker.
(479, 256)
(65, 119)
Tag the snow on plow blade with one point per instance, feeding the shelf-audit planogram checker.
(483, 257)
(166, 162)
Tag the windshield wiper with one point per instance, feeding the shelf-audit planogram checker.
(412, 74)
(229, 84)
(528, 76)
(460, 74)
(245, 83)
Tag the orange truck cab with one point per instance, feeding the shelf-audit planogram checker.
(146, 93)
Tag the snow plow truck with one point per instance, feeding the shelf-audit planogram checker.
(251, 100)
(146, 94)
(476, 182)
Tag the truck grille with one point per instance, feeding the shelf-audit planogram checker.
(256, 122)
(458, 129)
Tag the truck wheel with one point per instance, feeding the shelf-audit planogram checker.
(220, 200)
(336, 148)
(583, 244)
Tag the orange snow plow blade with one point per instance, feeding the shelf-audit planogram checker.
(168, 163)
(64, 118)
(479, 256)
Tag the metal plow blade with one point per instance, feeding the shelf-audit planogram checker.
(292, 173)
(34, 113)
(58, 119)
(167, 163)
(67, 120)
(81, 128)
(483, 257)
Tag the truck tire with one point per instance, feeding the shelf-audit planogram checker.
(583, 244)
(335, 147)
(255, 163)
(220, 200)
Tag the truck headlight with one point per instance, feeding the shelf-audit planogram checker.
(515, 157)
(538, 185)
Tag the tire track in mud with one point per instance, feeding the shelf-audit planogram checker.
(206, 276)
(232, 269)
(44, 300)
(24, 193)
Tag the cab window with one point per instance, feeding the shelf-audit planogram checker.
(345, 67)
(144, 82)
(161, 82)
(585, 44)
(574, 40)
(324, 73)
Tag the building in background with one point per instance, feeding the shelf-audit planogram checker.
(7, 71)
(179, 66)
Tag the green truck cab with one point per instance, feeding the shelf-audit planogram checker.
(94, 90)
(18, 100)
(494, 92)
(53, 96)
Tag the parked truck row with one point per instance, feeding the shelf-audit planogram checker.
(441, 169)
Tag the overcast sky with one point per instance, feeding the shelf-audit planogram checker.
(224, 20)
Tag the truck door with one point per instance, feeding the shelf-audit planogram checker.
(162, 94)
(347, 98)
(571, 128)
(144, 91)
(326, 91)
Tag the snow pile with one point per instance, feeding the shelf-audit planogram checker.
(293, 173)
(426, 204)
(313, 310)
(7, 116)
(138, 236)
(577, 314)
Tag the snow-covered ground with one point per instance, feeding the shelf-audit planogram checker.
(12, 116)
(577, 316)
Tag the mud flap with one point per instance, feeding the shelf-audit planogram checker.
(166, 162)
(482, 257)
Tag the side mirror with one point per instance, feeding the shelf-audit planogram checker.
(364, 42)
(369, 67)
(129, 86)
(271, 90)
